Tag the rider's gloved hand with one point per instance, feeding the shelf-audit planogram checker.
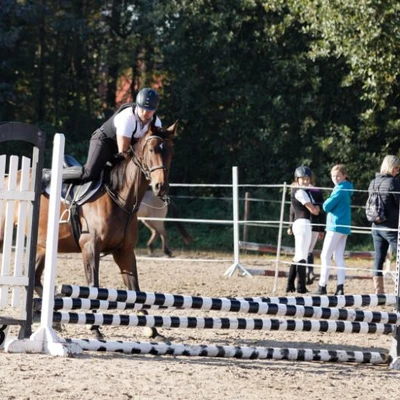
(119, 157)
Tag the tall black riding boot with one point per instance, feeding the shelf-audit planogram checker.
(290, 288)
(72, 174)
(310, 273)
(301, 277)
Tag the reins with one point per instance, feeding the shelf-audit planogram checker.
(146, 171)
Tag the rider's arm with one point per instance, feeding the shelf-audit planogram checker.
(123, 143)
(125, 125)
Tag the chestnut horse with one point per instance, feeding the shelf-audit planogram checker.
(108, 219)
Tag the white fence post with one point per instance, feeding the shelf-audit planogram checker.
(45, 340)
(235, 196)
(278, 249)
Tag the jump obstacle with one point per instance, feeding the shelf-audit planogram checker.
(113, 298)
(346, 321)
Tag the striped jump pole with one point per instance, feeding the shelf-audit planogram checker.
(224, 304)
(158, 349)
(282, 310)
(264, 324)
(67, 303)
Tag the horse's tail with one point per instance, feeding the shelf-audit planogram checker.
(187, 239)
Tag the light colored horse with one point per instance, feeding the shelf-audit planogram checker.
(153, 207)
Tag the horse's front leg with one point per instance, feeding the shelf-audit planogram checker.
(126, 261)
(91, 262)
(39, 267)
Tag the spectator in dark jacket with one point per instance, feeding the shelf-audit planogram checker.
(385, 234)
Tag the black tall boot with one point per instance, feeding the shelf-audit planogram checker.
(290, 288)
(310, 273)
(301, 277)
(72, 174)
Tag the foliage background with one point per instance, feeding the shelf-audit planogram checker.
(263, 85)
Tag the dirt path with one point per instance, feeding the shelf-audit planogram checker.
(119, 376)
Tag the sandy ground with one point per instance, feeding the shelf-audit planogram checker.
(117, 376)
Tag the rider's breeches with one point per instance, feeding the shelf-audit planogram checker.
(302, 237)
(101, 150)
(334, 245)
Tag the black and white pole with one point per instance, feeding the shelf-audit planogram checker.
(261, 353)
(260, 324)
(243, 304)
(276, 309)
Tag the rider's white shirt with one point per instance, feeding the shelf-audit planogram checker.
(303, 197)
(128, 124)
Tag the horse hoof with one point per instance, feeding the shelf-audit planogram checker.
(97, 333)
(57, 326)
(153, 334)
(160, 339)
(150, 332)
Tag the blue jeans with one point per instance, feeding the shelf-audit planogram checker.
(382, 240)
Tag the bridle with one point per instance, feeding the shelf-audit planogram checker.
(143, 167)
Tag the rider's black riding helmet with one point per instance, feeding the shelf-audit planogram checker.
(147, 99)
(302, 172)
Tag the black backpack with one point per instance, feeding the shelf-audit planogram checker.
(375, 208)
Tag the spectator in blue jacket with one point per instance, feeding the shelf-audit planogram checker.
(338, 223)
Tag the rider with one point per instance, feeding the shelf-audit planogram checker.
(113, 138)
(303, 206)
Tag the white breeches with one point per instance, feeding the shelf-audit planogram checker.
(302, 238)
(314, 239)
(334, 244)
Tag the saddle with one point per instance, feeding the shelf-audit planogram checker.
(71, 192)
(72, 195)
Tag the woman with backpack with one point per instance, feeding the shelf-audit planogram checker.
(384, 232)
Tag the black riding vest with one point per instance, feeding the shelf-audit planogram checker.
(108, 127)
(300, 211)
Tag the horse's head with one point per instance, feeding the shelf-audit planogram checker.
(154, 151)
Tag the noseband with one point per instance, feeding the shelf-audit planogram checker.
(143, 167)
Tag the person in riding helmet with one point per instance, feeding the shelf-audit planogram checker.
(303, 207)
(113, 139)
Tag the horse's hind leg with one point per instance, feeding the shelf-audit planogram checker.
(154, 236)
(164, 239)
(158, 230)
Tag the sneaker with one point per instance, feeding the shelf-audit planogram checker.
(339, 290)
(321, 290)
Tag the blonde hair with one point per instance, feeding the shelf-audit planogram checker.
(389, 163)
(340, 168)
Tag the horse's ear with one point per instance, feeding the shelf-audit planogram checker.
(172, 128)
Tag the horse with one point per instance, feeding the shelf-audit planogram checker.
(108, 219)
(153, 207)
